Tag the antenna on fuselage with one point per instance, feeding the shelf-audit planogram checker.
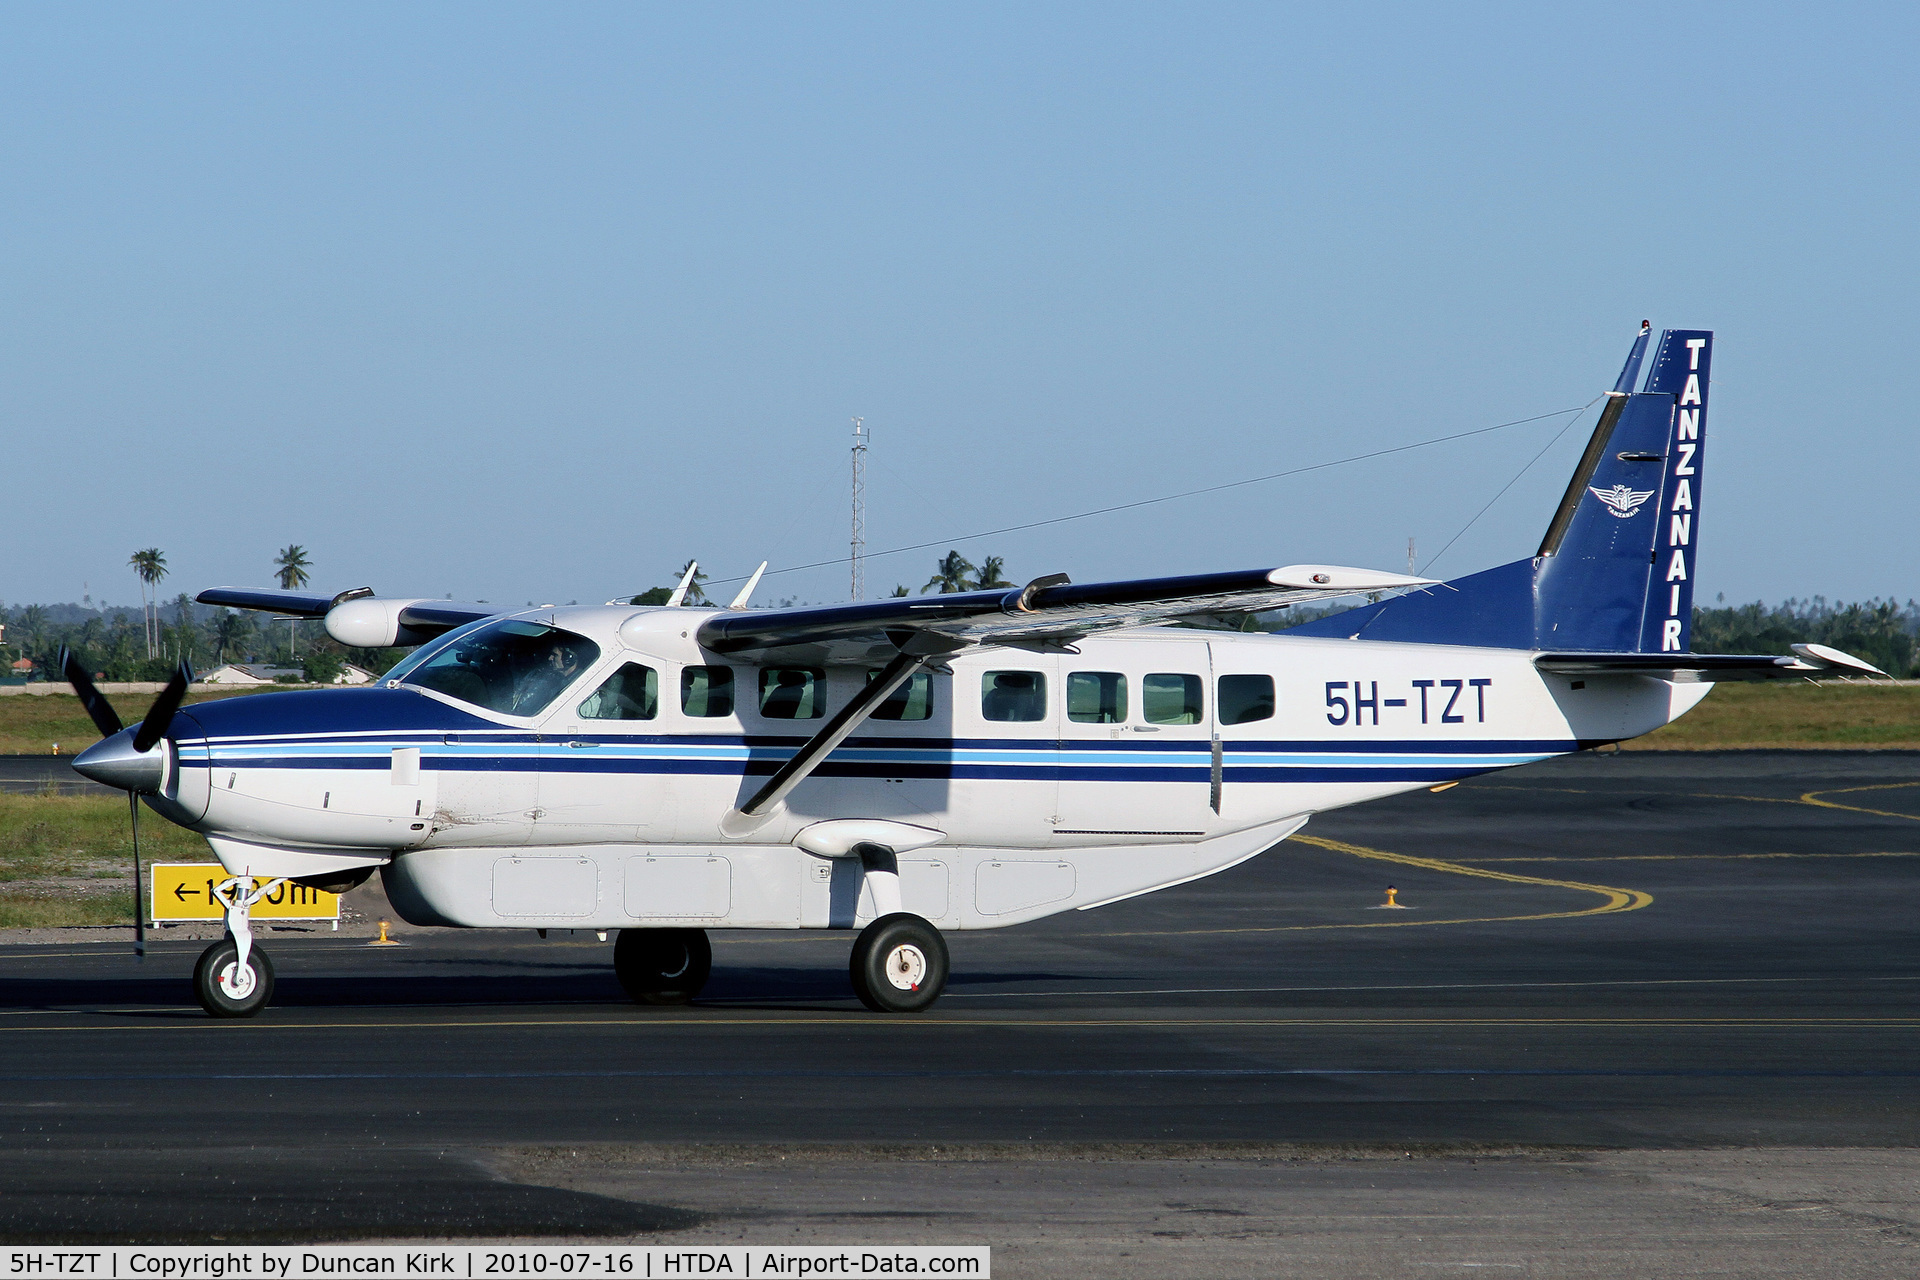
(679, 596)
(746, 592)
(858, 543)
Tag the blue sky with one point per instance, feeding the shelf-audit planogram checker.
(535, 302)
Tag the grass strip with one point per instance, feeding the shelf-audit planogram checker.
(1794, 715)
(40, 724)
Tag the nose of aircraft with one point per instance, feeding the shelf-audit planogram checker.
(115, 763)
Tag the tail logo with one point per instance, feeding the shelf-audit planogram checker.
(1620, 500)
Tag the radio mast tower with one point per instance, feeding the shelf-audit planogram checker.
(859, 540)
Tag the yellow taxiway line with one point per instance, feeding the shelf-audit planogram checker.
(1613, 900)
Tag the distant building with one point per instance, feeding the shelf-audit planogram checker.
(236, 673)
(259, 673)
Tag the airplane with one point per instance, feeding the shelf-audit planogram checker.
(902, 768)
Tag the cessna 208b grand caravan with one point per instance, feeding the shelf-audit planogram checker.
(902, 767)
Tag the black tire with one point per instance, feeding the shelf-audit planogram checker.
(899, 964)
(218, 997)
(662, 966)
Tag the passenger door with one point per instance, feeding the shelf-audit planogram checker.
(1136, 741)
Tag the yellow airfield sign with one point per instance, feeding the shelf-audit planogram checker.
(184, 891)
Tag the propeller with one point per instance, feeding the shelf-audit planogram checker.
(104, 717)
(119, 762)
(160, 714)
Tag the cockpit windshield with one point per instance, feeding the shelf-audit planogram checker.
(514, 667)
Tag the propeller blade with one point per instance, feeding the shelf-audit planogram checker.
(104, 717)
(139, 899)
(160, 714)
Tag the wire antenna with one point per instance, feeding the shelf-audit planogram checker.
(858, 543)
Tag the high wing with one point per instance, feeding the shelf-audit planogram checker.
(294, 604)
(1048, 613)
(1812, 661)
(358, 617)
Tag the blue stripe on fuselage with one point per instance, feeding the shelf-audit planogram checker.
(360, 728)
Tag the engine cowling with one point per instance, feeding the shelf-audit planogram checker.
(370, 623)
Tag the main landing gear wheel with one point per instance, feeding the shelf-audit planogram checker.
(662, 966)
(226, 988)
(899, 964)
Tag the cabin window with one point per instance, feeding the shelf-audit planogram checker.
(793, 693)
(512, 666)
(1171, 699)
(1097, 697)
(1013, 695)
(631, 693)
(706, 691)
(911, 701)
(1245, 699)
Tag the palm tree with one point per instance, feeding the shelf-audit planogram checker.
(695, 595)
(33, 623)
(990, 574)
(950, 575)
(186, 636)
(229, 629)
(292, 565)
(151, 566)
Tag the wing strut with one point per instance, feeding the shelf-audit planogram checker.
(845, 721)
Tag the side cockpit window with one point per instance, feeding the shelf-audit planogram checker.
(631, 693)
(513, 667)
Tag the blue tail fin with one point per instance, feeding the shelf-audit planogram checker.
(1615, 572)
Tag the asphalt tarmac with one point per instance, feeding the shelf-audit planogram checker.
(1633, 952)
(47, 773)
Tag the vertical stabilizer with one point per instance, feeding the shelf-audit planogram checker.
(1681, 371)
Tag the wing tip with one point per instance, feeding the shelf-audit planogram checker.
(1340, 578)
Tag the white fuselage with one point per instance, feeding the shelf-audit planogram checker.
(562, 820)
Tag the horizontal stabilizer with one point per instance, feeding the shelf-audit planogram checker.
(1047, 611)
(1811, 662)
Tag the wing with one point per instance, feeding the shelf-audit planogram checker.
(293, 604)
(1812, 661)
(358, 617)
(1046, 613)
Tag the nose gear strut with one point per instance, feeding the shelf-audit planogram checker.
(234, 979)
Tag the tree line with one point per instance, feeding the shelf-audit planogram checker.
(1883, 632)
(952, 572)
(119, 644)
(146, 644)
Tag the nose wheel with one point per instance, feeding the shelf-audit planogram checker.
(229, 987)
(899, 964)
